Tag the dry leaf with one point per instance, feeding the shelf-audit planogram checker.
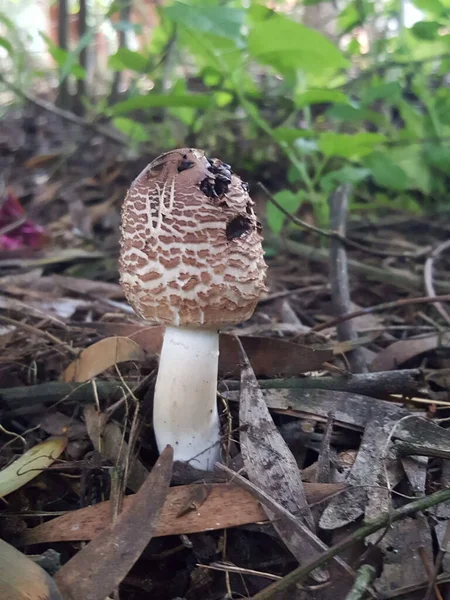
(269, 357)
(23, 579)
(403, 350)
(41, 160)
(101, 356)
(30, 464)
(270, 464)
(227, 505)
(99, 567)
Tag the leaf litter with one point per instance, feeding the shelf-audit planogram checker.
(312, 451)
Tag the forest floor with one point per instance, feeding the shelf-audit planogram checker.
(356, 442)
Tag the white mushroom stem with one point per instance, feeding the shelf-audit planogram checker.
(185, 404)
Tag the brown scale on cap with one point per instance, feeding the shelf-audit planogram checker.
(191, 250)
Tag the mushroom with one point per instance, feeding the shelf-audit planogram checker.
(191, 258)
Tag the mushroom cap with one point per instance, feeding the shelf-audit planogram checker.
(191, 251)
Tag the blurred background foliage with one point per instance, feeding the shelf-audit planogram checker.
(300, 96)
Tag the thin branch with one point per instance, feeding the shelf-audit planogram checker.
(380, 308)
(365, 575)
(385, 520)
(39, 333)
(407, 382)
(399, 278)
(428, 276)
(340, 288)
(64, 114)
(331, 234)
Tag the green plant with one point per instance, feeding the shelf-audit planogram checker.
(295, 110)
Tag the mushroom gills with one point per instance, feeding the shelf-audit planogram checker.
(185, 411)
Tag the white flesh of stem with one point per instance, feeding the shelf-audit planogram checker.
(185, 404)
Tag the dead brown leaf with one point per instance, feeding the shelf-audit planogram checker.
(403, 350)
(101, 356)
(270, 464)
(99, 567)
(227, 505)
(269, 357)
(41, 160)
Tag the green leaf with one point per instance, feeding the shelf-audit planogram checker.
(221, 21)
(162, 101)
(6, 45)
(349, 146)
(7, 22)
(211, 77)
(223, 98)
(289, 135)
(319, 96)
(347, 174)
(438, 157)
(211, 51)
(386, 91)
(431, 6)
(133, 129)
(385, 172)
(426, 30)
(287, 45)
(353, 114)
(67, 61)
(410, 158)
(349, 17)
(128, 59)
(288, 200)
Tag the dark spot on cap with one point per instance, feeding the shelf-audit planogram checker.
(245, 187)
(207, 186)
(184, 165)
(237, 227)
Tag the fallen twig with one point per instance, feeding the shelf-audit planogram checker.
(365, 576)
(396, 277)
(428, 276)
(333, 233)
(408, 449)
(405, 382)
(30, 399)
(301, 573)
(340, 289)
(64, 114)
(380, 308)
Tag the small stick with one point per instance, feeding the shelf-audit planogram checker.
(405, 382)
(429, 570)
(428, 276)
(336, 235)
(365, 576)
(39, 333)
(65, 114)
(380, 308)
(438, 562)
(340, 289)
(409, 449)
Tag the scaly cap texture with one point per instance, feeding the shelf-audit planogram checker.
(191, 250)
